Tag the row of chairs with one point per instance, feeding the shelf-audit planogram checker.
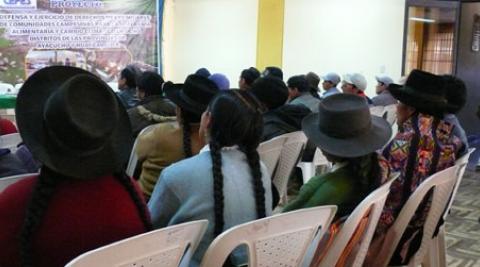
(287, 238)
(290, 239)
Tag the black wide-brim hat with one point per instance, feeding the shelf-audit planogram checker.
(343, 127)
(73, 123)
(424, 91)
(193, 95)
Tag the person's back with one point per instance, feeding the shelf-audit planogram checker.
(82, 198)
(10, 164)
(358, 169)
(81, 216)
(424, 145)
(226, 183)
(170, 142)
(187, 190)
(153, 106)
(161, 147)
(282, 120)
(278, 118)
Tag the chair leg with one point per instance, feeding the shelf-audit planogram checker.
(442, 248)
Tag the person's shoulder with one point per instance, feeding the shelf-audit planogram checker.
(23, 187)
(190, 166)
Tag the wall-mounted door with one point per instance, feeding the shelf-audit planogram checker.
(468, 64)
(430, 36)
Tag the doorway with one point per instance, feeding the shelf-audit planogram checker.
(430, 36)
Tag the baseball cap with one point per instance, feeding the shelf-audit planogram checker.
(384, 79)
(356, 79)
(332, 77)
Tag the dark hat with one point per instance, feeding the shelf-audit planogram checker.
(194, 95)
(344, 127)
(203, 72)
(73, 122)
(271, 91)
(424, 91)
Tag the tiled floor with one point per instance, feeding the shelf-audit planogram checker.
(463, 226)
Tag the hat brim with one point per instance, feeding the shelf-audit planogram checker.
(32, 98)
(417, 101)
(173, 92)
(369, 141)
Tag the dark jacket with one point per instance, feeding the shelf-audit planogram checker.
(10, 165)
(282, 120)
(148, 111)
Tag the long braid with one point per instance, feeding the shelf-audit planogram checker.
(139, 203)
(253, 159)
(42, 194)
(187, 144)
(215, 152)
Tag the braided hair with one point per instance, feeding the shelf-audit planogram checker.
(235, 120)
(43, 192)
(187, 118)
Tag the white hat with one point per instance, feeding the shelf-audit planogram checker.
(384, 79)
(332, 77)
(356, 79)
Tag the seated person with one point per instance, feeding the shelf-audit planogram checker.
(355, 84)
(127, 85)
(357, 169)
(299, 93)
(429, 139)
(278, 118)
(225, 183)
(383, 98)
(170, 142)
(75, 125)
(7, 127)
(153, 106)
(247, 78)
(10, 164)
(456, 94)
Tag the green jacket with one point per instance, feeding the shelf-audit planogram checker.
(333, 188)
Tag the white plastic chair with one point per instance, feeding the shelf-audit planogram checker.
(114, 86)
(309, 168)
(10, 141)
(437, 252)
(391, 113)
(7, 181)
(442, 184)
(270, 150)
(289, 157)
(163, 247)
(6, 88)
(280, 240)
(373, 205)
(377, 110)
(133, 160)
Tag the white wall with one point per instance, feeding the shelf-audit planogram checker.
(220, 35)
(344, 36)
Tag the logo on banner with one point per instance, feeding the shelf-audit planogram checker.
(18, 4)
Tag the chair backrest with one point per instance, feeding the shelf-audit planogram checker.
(163, 247)
(280, 240)
(10, 141)
(373, 205)
(7, 181)
(270, 150)
(289, 157)
(319, 159)
(442, 184)
(391, 115)
(461, 163)
(377, 110)
(133, 160)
